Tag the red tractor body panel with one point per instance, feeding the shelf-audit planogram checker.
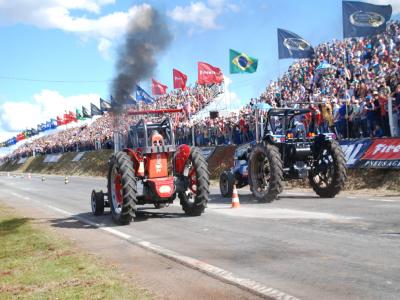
(182, 155)
(163, 187)
(157, 165)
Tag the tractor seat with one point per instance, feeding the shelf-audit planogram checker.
(156, 139)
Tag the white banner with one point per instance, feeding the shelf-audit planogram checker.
(78, 157)
(52, 158)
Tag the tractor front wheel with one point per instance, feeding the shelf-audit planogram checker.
(122, 188)
(328, 172)
(97, 202)
(265, 172)
(226, 182)
(194, 199)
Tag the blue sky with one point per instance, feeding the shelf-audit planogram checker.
(59, 40)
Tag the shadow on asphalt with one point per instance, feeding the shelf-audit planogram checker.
(71, 222)
(300, 197)
(142, 214)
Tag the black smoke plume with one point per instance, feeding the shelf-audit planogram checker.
(147, 36)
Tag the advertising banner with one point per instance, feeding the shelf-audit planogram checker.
(383, 153)
(354, 150)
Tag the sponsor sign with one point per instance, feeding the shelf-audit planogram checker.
(207, 151)
(366, 19)
(354, 150)
(52, 158)
(383, 153)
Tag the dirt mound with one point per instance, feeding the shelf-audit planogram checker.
(220, 160)
(93, 163)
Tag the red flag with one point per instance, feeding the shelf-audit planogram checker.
(60, 121)
(66, 119)
(157, 88)
(72, 117)
(179, 80)
(207, 74)
(20, 137)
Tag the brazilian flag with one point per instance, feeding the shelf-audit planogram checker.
(241, 62)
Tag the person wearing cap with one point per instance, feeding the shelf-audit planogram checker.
(377, 107)
(383, 101)
(370, 114)
(396, 109)
(356, 116)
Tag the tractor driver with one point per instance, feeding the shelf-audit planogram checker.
(156, 139)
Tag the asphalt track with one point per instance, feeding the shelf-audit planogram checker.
(298, 247)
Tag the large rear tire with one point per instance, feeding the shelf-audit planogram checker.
(226, 182)
(194, 199)
(265, 172)
(122, 189)
(328, 173)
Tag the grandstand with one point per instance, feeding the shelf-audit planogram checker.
(355, 89)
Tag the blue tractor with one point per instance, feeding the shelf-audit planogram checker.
(238, 174)
(288, 150)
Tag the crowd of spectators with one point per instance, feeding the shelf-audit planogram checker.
(99, 134)
(81, 138)
(353, 86)
(348, 83)
(349, 93)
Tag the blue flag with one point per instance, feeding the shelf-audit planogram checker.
(48, 125)
(291, 45)
(142, 95)
(364, 19)
(12, 141)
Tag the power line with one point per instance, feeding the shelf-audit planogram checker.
(51, 81)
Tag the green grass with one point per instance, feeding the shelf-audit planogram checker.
(36, 264)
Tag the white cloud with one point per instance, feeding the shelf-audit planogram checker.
(197, 13)
(18, 116)
(57, 14)
(232, 100)
(201, 14)
(104, 48)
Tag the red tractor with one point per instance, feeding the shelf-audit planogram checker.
(153, 171)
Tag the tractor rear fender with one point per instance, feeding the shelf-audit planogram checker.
(134, 157)
(181, 156)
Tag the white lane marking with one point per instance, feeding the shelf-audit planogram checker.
(221, 274)
(17, 195)
(297, 194)
(351, 197)
(275, 213)
(382, 200)
(116, 232)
